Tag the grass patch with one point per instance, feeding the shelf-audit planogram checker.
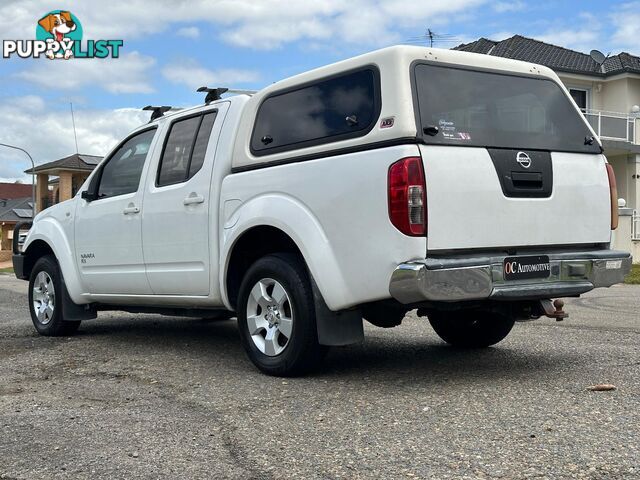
(6, 270)
(634, 275)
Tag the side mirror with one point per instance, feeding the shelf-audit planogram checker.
(88, 195)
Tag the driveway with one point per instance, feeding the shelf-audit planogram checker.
(145, 396)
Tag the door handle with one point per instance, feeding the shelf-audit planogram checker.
(193, 198)
(131, 208)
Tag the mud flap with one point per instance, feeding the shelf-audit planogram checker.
(336, 329)
(72, 312)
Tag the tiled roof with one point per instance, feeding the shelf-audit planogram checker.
(15, 190)
(15, 210)
(552, 56)
(72, 162)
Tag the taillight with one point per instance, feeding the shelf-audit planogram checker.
(408, 196)
(613, 190)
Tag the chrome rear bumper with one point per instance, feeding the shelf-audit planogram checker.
(481, 277)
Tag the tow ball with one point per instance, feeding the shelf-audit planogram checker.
(553, 310)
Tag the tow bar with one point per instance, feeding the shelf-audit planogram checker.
(553, 310)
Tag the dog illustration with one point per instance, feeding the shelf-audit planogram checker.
(58, 25)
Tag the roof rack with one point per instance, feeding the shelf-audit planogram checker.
(157, 112)
(214, 94)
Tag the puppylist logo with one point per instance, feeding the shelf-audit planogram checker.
(59, 36)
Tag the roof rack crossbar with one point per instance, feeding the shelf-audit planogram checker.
(156, 112)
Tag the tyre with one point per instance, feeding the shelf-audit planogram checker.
(471, 329)
(45, 299)
(276, 316)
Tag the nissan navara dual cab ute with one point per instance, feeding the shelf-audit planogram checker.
(466, 186)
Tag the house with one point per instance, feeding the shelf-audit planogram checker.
(10, 191)
(608, 95)
(12, 211)
(71, 172)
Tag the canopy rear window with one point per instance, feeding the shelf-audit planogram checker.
(488, 109)
(329, 110)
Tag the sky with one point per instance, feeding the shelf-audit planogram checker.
(171, 47)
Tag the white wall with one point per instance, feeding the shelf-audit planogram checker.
(620, 168)
(614, 96)
(621, 237)
(634, 92)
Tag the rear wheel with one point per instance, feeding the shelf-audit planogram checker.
(471, 329)
(45, 299)
(276, 316)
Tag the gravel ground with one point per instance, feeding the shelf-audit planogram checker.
(146, 396)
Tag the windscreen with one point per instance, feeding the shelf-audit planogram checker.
(487, 109)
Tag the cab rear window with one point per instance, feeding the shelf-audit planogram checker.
(488, 109)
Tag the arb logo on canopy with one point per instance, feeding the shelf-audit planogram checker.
(59, 36)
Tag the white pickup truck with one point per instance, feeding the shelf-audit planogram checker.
(467, 186)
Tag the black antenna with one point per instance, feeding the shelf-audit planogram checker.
(213, 94)
(156, 112)
(434, 39)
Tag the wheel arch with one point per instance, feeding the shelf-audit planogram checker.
(334, 327)
(72, 311)
(47, 237)
(36, 250)
(293, 224)
(263, 238)
(252, 244)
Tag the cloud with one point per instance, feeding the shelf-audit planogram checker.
(98, 131)
(272, 24)
(128, 74)
(264, 24)
(504, 7)
(189, 32)
(357, 22)
(626, 22)
(502, 35)
(583, 39)
(193, 75)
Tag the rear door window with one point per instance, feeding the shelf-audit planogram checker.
(338, 108)
(185, 149)
(481, 108)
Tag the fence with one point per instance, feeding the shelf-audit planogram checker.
(612, 125)
(635, 225)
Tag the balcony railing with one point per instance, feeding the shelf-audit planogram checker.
(614, 126)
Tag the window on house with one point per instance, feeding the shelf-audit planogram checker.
(185, 149)
(580, 97)
(342, 107)
(121, 174)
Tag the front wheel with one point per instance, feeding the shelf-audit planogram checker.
(45, 299)
(471, 329)
(276, 316)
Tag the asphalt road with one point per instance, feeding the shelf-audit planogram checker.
(155, 397)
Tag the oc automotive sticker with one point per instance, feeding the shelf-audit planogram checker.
(537, 266)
